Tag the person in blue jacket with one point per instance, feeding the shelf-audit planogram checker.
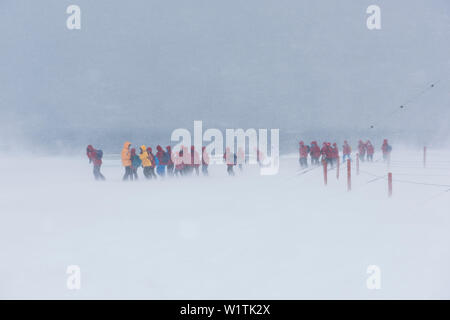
(136, 162)
(161, 161)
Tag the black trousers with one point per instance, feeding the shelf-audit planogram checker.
(178, 172)
(303, 162)
(134, 171)
(128, 173)
(230, 170)
(147, 172)
(170, 169)
(97, 174)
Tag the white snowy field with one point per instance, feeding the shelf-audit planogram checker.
(285, 236)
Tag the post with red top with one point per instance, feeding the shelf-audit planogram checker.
(337, 167)
(424, 157)
(390, 184)
(349, 175)
(325, 172)
(357, 164)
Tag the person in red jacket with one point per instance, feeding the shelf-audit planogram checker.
(240, 158)
(95, 157)
(205, 161)
(90, 152)
(178, 161)
(161, 158)
(195, 160)
(323, 151)
(151, 157)
(361, 150)
(334, 154)
(170, 164)
(187, 161)
(386, 149)
(346, 151)
(370, 150)
(326, 153)
(315, 153)
(230, 159)
(303, 151)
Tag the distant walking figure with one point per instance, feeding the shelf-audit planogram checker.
(95, 157)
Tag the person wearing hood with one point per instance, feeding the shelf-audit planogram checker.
(346, 151)
(161, 161)
(146, 163)
(230, 160)
(370, 151)
(195, 160)
(187, 163)
(324, 152)
(361, 150)
(303, 151)
(90, 153)
(386, 149)
(205, 161)
(241, 158)
(126, 161)
(315, 153)
(95, 157)
(152, 160)
(334, 154)
(178, 161)
(136, 162)
(170, 164)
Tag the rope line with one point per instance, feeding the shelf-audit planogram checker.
(406, 103)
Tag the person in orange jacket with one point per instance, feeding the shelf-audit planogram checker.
(126, 161)
(146, 163)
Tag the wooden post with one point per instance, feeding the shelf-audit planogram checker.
(349, 175)
(390, 184)
(337, 167)
(325, 172)
(424, 157)
(357, 164)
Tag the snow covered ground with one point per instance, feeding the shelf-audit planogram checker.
(252, 237)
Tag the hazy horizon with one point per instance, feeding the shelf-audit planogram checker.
(139, 70)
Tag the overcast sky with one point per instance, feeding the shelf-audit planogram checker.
(139, 69)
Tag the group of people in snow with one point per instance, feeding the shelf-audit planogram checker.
(163, 162)
(329, 153)
(187, 162)
(166, 162)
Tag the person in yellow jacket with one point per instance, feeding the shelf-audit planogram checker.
(126, 161)
(146, 162)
